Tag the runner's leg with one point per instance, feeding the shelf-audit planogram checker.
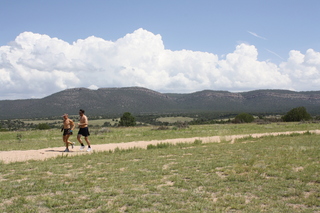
(87, 140)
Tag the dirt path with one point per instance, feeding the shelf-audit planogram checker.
(42, 154)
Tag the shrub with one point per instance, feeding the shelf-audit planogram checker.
(162, 128)
(19, 137)
(106, 124)
(197, 142)
(243, 118)
(158, 146)
(182, 125)
(127, 120)
(43, 126)
(297, 114)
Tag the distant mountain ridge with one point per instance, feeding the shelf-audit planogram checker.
(139, 100)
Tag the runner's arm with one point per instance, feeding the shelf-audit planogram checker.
(72, 126)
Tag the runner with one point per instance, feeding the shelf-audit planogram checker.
(83, 131)
(68, 127)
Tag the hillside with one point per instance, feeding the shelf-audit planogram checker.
(137, 100)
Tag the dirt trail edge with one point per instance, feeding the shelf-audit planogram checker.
(42, 154)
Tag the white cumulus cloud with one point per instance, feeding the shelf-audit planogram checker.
(36, 65)
(303, 69)
(243, 71)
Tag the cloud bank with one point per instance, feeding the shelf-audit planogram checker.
(36, 65)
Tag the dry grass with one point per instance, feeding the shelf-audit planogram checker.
(271, 174)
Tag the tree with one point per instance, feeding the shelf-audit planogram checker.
(296, 114)
(127, 120)
(243, 118)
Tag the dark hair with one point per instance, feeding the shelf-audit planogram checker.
(81, 110)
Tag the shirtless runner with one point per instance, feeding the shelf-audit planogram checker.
(83, 131)
(68, 127)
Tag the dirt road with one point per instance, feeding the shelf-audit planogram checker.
(42, 154)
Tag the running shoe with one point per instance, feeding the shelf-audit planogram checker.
(82, 147)
(72, 144)
(89, 149)
(66, 150)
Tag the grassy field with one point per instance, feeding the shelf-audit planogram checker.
(174, 119)
(269, 174)
(37, 139)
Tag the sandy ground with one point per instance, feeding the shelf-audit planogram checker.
(42, 154)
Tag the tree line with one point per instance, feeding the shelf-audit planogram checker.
(127, 119)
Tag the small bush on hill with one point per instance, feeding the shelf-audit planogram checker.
(297, 114)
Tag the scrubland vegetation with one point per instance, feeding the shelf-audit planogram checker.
(128, 119)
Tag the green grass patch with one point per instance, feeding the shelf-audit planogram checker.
(159, 146)
(174, 119)
(271, 174)
(29, 121)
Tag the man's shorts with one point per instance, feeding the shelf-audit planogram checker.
(84, 132)
(67, 132)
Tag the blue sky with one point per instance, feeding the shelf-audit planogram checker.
(272, 36)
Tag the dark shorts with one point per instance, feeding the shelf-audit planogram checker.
(67, 132)
(84, 132)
